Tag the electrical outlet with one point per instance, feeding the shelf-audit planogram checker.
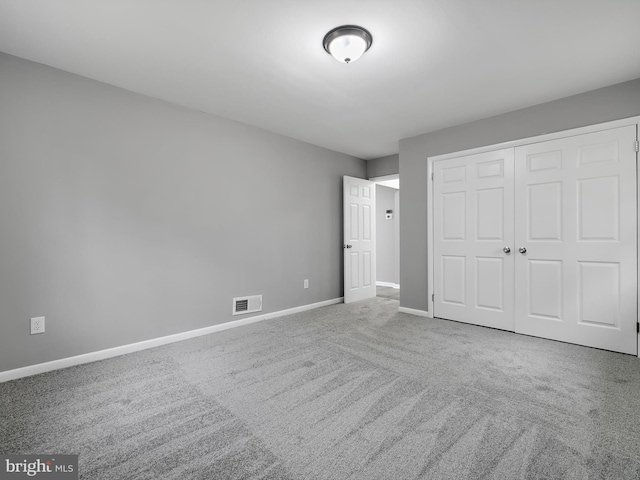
(37, 325)
(306, 283)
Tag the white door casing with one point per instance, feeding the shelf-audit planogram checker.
(473, 241)
(359, 201)
(576, 218)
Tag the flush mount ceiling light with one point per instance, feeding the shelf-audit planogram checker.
(347, 43)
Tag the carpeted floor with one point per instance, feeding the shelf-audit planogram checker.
(388, 292)
(355, 391)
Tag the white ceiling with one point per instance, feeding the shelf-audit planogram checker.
(433, 63)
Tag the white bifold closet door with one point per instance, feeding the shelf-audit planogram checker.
(473, 224)
(559, 262)
(576, 217)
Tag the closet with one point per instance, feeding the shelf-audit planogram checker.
(541, 239)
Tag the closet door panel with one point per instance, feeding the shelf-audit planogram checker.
(575, 221)
(473, 223)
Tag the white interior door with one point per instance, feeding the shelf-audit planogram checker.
(359, 239)
(473, 239)
(576, 217)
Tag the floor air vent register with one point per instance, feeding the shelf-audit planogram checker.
(242, 305)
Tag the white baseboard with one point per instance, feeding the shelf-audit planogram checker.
(387, 284)
(412, 311)
(154, 342)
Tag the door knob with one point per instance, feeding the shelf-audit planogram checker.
(347, 246)
(522, 250)
(506, 250)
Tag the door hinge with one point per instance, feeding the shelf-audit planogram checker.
(638, 327)
(433, 297)
(432, 173)
(637, 146)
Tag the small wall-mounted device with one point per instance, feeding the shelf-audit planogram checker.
(249, 304)
(37, 325)
(389, 214)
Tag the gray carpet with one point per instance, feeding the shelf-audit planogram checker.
(344, 392)
(388, 292)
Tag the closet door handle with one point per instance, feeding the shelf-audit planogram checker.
(506, 249)
(522, 250)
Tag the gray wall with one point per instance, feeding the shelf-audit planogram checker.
(605, 104)
(124, 218)
(387, 241)
(379, 167)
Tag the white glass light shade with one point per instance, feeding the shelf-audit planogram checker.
(347, 43)
(347, 48)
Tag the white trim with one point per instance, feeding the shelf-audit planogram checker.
(538, 138)
(412, 311)
(154, 342)
(637, 229)
(430, 256)
(393, 176)
(387, 284)
(512, 144)
(389, 181)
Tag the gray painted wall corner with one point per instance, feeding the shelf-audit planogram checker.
(379, 167)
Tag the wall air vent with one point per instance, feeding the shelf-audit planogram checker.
(242, 305)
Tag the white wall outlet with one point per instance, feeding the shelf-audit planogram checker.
(37, 325)
(306, 283)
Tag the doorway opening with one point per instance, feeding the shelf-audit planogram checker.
(388, 236)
